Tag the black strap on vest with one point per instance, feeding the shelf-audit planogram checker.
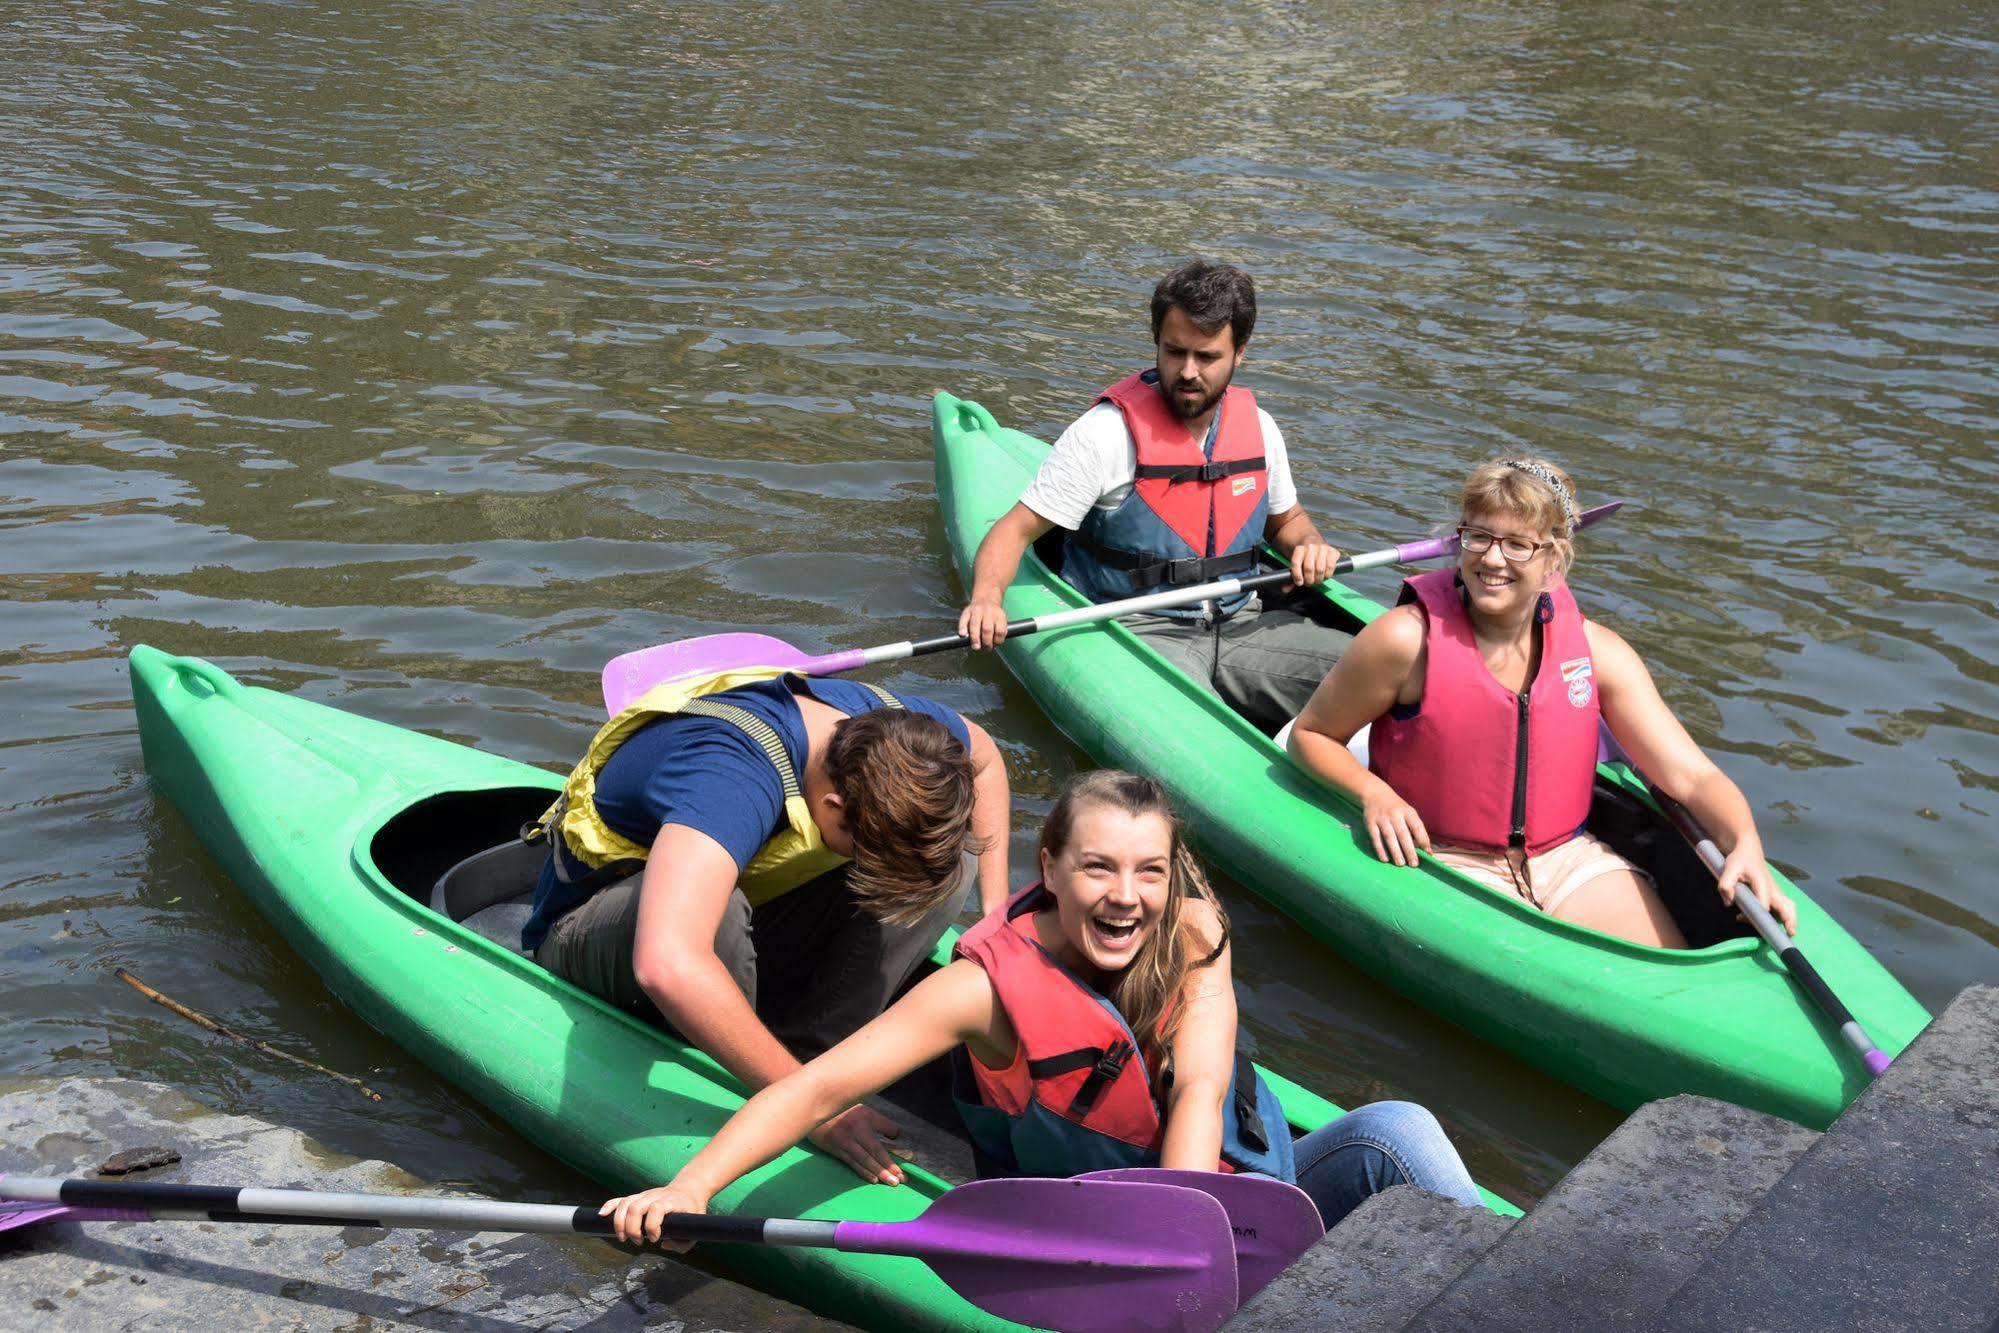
(1175, 473)
(1149, 571)
(1104, 1064)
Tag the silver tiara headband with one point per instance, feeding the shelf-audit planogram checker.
(1544, 474)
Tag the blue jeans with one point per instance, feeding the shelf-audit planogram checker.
(1365, 1151)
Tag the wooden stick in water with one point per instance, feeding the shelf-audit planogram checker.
(202, 1021)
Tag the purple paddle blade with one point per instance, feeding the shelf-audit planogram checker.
(628, 676)
(1273, 1223)
(14, 1213)
(1077, 1256)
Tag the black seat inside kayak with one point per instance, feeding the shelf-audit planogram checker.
(460, 854)
(1643, 837)
(492, 892)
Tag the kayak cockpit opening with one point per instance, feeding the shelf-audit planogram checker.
(459, 853)
(1644, 837)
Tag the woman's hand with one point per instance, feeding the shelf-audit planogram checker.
(1745, 864)
(855, 1136)
(638, 1216)
(1394, 825)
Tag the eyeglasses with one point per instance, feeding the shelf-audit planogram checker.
(1518, 550)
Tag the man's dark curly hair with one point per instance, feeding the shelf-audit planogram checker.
(1211, 295)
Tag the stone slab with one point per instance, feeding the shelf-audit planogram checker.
(1629, 1224)
(1891, 1220)
(207, 1275)
(1376, 1268)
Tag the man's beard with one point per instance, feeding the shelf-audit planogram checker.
(1201, 408)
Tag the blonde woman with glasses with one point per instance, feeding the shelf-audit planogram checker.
(1483, 691)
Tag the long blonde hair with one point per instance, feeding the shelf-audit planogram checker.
(1145, 992)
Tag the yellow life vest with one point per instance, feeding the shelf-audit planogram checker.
(790, 857)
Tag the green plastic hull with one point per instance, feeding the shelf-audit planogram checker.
(290, 796)
(1624, 1022)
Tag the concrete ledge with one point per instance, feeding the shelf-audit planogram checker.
(1376, 1268)
(1890, 1221)
(1629, 1224)
(101, 1275)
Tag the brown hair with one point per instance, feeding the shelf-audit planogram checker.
(1210, 295)
(1145, 991)
(905, 786)
(1512, 486)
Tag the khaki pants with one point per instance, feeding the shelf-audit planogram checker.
(813, 965)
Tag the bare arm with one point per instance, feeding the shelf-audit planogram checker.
(1671, 760)
(1382, 665)
(953, 1005)
(992, 816)
(983, 620)
(1297, 539)
(688, 880)
(1203, 1055)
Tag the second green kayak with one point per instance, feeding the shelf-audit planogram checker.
(1620, 1020)
(341, 830)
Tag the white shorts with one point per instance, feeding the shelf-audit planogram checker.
(1552, 876)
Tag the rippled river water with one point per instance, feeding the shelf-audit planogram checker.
(417, 356)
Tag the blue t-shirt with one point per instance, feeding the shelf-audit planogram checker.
(708, 775)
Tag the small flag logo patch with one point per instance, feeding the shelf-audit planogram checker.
(1242, 485)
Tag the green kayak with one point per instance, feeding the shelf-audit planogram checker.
(340, 829)
(1622, 1021)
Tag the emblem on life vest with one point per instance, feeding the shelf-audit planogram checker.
(1576, 671)
(1242, 485)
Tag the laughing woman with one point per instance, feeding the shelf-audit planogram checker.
(1482, 692)
(1092, 1021)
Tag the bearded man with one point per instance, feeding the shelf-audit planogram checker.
(1176, 477)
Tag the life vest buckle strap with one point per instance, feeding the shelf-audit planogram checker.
(543, 830)
(1108, 1066)
(1174, 474)
(1054, 1066)
(1148, 573)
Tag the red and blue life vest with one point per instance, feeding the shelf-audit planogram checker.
(1486, 767)
(1076, 1096)
(1195, 511)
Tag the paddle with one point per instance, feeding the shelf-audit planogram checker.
(1759, 917)
(1273, 1223)
(1084, 1256)
(631, 674)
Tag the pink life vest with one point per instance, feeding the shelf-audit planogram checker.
(1485, 767)
(1206, 501)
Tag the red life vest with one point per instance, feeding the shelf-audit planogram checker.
(1205, 500)
(1076, 1096)
(1483, 766)
(1191, 515)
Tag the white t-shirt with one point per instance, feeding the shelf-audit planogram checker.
(1095, 463)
